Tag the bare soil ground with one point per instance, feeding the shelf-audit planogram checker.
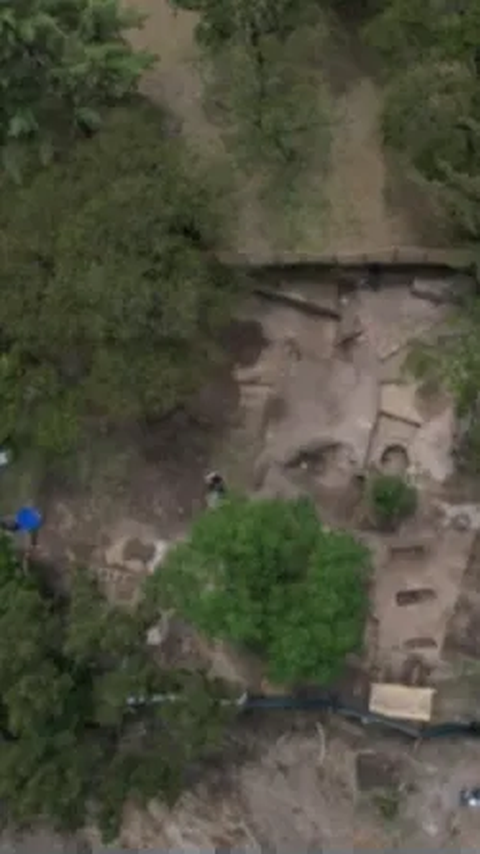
(143, 485)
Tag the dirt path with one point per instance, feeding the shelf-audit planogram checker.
(371, 204)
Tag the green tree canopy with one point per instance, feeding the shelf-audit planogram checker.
(61, 63)
(432, 56)
(72, 744)
(266, 575)
(110, 293)
(265, 89)
(224, 21)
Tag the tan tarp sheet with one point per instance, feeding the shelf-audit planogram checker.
(401, 701)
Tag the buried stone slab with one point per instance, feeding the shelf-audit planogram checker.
(398, 400)
(445, 289)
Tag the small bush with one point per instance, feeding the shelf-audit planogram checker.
(391, 499)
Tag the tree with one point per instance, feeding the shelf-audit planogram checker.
(265, 87)
(266, 575)
(453, 361)
(432, 48)
(110, 293)
(73, 744)
(61, 63)
(224, 21)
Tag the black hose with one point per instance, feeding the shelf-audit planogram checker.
(328, 702)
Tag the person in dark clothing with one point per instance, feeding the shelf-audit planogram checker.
(216, 488)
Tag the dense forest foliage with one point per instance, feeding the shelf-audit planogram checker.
(431, 54)
(79, 731)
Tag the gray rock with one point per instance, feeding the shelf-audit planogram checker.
(444, 289)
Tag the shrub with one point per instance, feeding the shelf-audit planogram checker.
(391, 499)
(266, 575)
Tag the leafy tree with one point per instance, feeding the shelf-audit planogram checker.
(224, 21)
(72, 743)
(433, 48)
(110, 294)
(265, 87)
(61, 63)
(266, 575)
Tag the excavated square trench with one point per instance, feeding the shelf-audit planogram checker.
(321, 416)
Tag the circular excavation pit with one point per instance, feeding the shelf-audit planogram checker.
(394, 460)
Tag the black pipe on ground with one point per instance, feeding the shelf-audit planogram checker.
(329, 703)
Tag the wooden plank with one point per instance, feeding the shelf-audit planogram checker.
(401, 701)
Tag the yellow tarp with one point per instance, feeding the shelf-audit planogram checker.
(401, 701)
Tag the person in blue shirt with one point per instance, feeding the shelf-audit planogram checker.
(27, 520)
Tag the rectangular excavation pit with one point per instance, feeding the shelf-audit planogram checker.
(421, 643)
(412, 549)
(416, 596)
